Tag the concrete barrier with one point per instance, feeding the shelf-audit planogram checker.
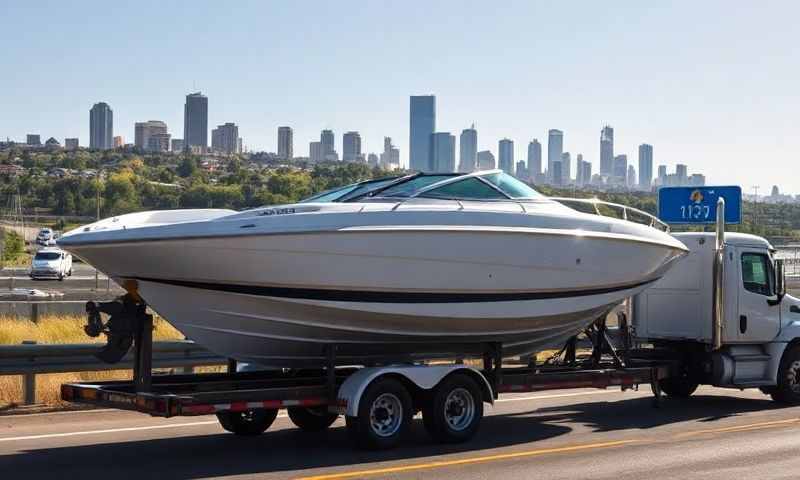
(32, 311)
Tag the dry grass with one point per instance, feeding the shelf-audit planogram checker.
(59, 329)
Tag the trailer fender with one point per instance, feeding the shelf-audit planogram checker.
(425, 377)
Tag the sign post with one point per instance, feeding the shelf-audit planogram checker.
(698, 205)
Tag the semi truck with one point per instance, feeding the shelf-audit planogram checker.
(720, 317)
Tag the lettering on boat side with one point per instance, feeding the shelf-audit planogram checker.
(278, 211)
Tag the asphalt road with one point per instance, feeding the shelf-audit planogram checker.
(573, 434)
(81, 285)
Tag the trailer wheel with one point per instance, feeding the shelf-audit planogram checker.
(384, 414)
(311, 419)
(678, 387)
(455, 409)
(788, 388)
(247, 423)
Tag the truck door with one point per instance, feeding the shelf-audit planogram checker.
(758, 320)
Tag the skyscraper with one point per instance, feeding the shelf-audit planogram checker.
(662, 174)
(555, 147)
(534, 159)
(468, 153)
(555, 174)
(328, 141)
(195, 122)
(285, 143)
(681, 173)
(422, 126)
(142, 131)
(486, 160)
(631, 182)
(645, 166)
(566, 168)
(620, 169)
(390, 158)
(351, 146)
(315, 154)
(101, 127)
(443, 148)
(522, 170)
(225, 138)
(607, 151)
(505, 155)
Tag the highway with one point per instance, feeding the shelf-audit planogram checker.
(571, 434)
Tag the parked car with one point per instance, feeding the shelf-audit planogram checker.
(44, 236)
(51, 262)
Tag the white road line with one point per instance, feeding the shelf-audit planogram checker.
(113, 430)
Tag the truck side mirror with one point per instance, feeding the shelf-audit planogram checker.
(780, 279)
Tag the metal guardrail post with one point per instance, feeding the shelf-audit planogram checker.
(35, 312)
(29, 382)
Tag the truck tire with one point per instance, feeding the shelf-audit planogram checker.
(247, 423)
(384, 415)
(788, 388)
(454, 411)
(311, 419)
(678, 387)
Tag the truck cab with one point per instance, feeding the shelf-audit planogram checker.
(758, 326)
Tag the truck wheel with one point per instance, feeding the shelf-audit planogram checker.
(678, 387)
(312, 419)
(788, 388)
(248, 423)
(455, 409)
(384, 414)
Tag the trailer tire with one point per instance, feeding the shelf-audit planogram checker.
(788, 389)
(384, 414)
(454, 411)
(311, 419)
(678, 387)
(248, 423)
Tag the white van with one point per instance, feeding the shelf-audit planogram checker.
(51, 262)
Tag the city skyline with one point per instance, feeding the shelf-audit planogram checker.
(653, 91)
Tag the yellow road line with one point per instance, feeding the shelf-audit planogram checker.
(741, 428)
(466, 461)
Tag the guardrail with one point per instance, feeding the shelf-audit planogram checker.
(627, 213)
(30, 359)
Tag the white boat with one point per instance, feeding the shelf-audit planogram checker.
(425, 259)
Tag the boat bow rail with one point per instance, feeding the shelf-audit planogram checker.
(626, 212)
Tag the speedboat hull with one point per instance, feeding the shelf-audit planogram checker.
(278, 299)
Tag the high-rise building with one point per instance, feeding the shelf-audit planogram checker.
(579, 180)
(158, 142)
(390, 158)
(555, 147)
(607, 151)
(522, 170)
(534, 159)
(315, 154)
(351, 146)
(620, 169)
(328, 141)
(285, 143)
(681, 173)
(486, 160)
(101, 127)
(586, 172)
(566, 169)
(645, 166)
(177, 145)
(422, 126)
(225, 138)
(195, 122)
(555, 173)
(372, 160)
(468, 150)
(143, 130)
(662, 174)
(698, 180)
(33, 139)
(119, 141)
(631, 181)
(505, 155)
(443, 148)
(71, 143)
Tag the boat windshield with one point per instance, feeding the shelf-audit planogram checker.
(348, 191)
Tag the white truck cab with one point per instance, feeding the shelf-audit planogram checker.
(754, 341)
(51, 262)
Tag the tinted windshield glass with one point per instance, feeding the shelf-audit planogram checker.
(47, 256)
(366, 188)
(470, 188)
(348, 191)
(331, 195)
(406, 189)
(511, 186)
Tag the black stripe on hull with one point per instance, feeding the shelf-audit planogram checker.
(368, 296)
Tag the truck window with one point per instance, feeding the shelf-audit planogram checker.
(756, 276)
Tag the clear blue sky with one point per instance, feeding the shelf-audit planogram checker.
(713, 84)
